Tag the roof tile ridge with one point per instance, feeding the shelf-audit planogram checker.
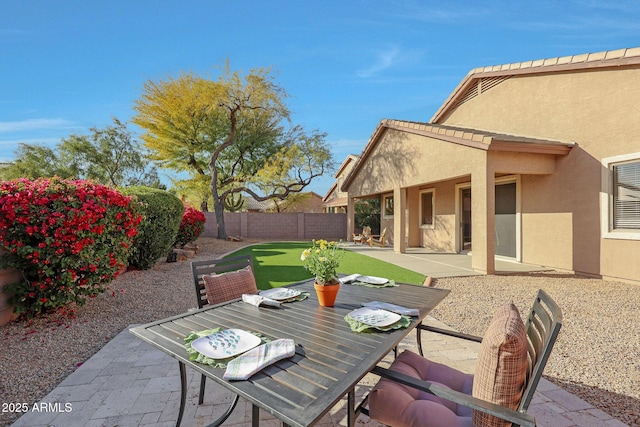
(561, 60)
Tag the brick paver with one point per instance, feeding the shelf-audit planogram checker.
(130, 383)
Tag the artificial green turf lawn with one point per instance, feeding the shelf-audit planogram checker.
(277, 264)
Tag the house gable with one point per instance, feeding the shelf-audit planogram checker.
(335, 198)
(482, 79)
(461, 140)
(555, 130)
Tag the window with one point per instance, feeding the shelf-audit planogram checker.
(387, 202)
(620, 197)
(626, 196)
(426, 208)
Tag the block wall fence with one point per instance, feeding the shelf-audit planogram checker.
(280, 226)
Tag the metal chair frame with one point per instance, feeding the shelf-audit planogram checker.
(542, 325)
(199, 269)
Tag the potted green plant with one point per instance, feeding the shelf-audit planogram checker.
(322, 259)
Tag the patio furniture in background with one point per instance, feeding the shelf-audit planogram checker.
(330, 358)
(228, 290)
(381, 239)
(362, 237)
(504, 360)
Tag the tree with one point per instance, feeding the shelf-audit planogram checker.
(295, 200)
(36, 161)
(235, 131)
(367, 213)
(109, 156)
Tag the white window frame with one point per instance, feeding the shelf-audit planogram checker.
(606, 198)
(386, 197)
(433, 209)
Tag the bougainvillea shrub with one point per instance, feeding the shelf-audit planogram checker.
(68, 238)
(191, 227)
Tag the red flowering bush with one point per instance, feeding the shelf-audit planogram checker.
(68, 238)
(191, 227)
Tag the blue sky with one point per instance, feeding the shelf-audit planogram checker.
(67, 66)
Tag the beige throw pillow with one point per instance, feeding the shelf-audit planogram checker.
(502, 364)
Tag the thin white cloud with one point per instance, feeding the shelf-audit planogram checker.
(33, 124)
(384, 60)
(10, 32)
(439, 12)
(341, 148)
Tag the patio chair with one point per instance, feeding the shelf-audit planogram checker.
(417, 392)
(217, 281)
(363, 237)
(380, 241)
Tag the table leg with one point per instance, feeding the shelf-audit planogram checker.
(255, 416)
(183, 392)
(351, 408)
(419, 339)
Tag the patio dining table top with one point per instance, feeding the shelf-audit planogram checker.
(330, 358)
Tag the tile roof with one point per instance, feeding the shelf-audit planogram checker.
(350, 158)
(477, 138)
(472, 138)
(338, 201)
(605, 59)
(494, 75)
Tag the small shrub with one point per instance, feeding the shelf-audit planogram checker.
(191, 227)
(162, 213)
(68, 238)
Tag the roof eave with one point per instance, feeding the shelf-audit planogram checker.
(379, 130)
(350, 158)
(465, 137)
(333, 187)
(560, 149)
(586, 62)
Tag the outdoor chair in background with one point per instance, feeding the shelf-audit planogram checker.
(362, 237)
(217, 281)
(380, 241)
(417, 392)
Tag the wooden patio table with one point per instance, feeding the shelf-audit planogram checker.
(330, 359)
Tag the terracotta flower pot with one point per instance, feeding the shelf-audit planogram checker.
(327, 293)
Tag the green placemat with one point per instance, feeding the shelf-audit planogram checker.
(357, 326)
(303, 295)
(390, 283)
(196, 356)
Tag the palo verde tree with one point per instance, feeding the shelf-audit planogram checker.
(235, 131)
(110, 156)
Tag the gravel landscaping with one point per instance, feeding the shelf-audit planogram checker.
(597, 356)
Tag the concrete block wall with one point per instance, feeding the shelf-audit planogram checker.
(272, 226)
(319, 225)
(280, 226)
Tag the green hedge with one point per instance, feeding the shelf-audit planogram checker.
(162, 214)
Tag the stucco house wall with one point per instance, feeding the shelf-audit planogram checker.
(561, 219)
(550, 129)
(336, 200)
